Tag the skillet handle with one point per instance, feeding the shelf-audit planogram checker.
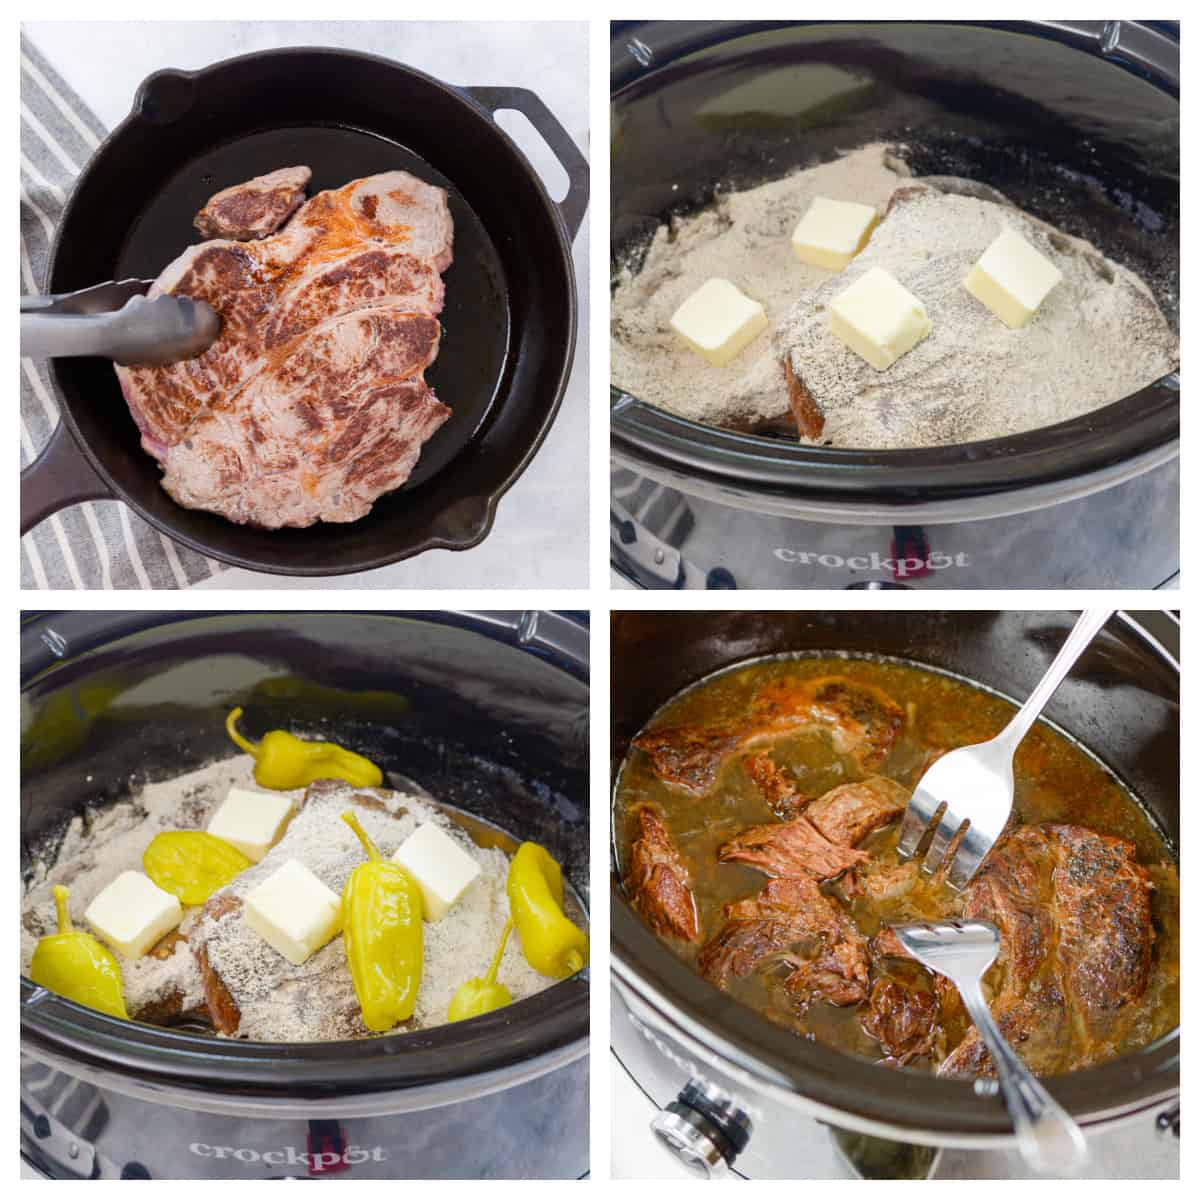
(574, 204)
(59, 477)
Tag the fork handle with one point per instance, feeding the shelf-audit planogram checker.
(1049, 1140)
(1090, 622)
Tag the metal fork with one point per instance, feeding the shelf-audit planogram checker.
(1048, 1139)
(974, 784)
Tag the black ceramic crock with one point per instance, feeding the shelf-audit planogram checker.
(487, 711)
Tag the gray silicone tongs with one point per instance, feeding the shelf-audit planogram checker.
(115, 320)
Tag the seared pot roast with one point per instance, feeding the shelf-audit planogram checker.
(312, 402)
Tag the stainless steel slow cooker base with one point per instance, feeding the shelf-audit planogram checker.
(73, 1129)
(786, 1144)
(668, 534)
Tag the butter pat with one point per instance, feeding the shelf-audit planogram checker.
(1012, 279)
(294, 912)
(251, 821)
(133, 913)
(878, 318)
(832, 232)
(442, 868)
(718, 321)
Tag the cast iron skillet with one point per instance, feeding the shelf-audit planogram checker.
(1076, 122)
(1121, 701)
(510, 315)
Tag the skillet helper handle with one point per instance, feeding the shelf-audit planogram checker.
(60, 476)
(573, 205)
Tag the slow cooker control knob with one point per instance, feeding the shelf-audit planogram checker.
(1167, 1121)
(704, 1129)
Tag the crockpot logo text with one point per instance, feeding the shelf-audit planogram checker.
(289, 1156)
(899, 568)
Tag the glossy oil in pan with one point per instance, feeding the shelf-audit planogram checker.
(510, 316)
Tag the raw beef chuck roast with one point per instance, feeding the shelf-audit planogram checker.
(312, 403)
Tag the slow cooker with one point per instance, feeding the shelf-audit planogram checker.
(488, 712)
(1076, 122)
(740, 1093)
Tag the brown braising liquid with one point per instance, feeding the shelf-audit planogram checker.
(1056, 780)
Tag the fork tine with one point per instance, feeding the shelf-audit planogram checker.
(966, 862)
(951, 855)
(914, 826)
(943, 835)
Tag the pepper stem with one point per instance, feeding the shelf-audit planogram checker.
(368, 845)
(492, 971)
(574, 961)
(64, 913)
(238, 740)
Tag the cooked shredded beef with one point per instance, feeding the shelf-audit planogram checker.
(658, 881)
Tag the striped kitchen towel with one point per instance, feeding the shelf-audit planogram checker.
(100, 544)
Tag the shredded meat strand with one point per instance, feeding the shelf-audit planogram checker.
(774, 926)
(790, 849)
(779, 791)
(658, 882)
(902, 1018)
(861, 722)
(849, 813)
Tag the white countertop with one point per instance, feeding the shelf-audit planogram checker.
(540, 535)
(635, 1154)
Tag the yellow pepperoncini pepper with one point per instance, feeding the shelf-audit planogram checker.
(552, 944)
(479, 996)
(284, 761)
(192, 864)
(74, 964)
(385, 938)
